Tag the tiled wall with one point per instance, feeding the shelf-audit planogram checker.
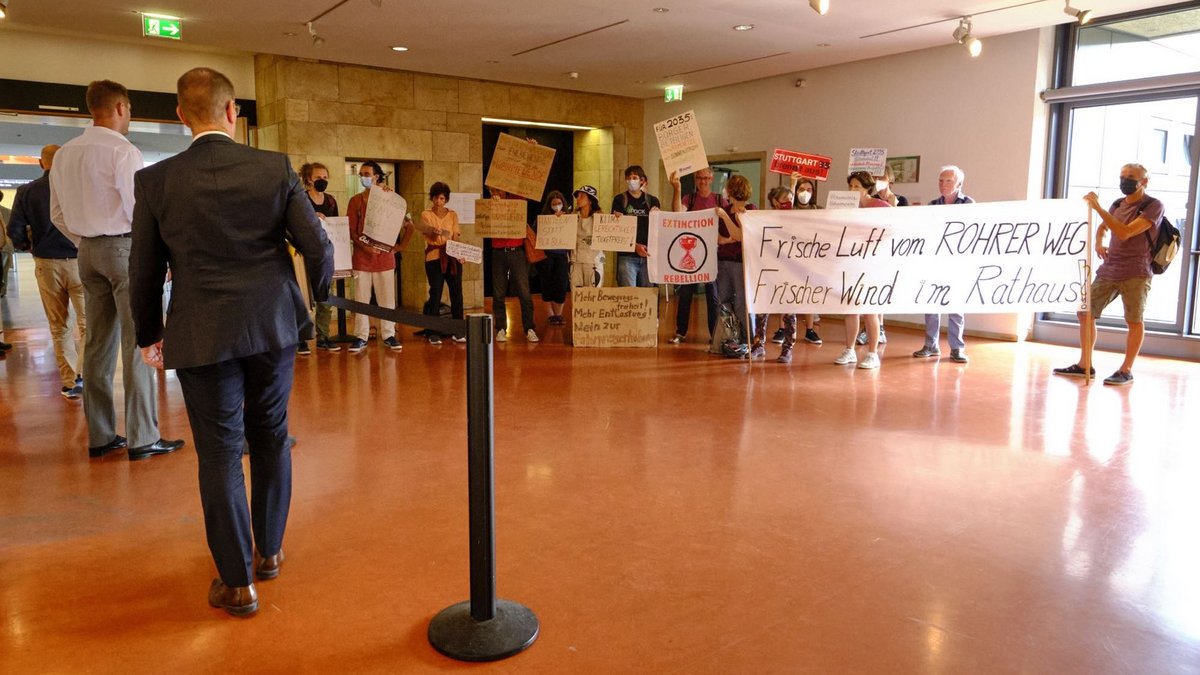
(327, 112)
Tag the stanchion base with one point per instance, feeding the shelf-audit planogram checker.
(455, 633)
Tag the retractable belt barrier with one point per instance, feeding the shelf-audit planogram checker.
(482, 628)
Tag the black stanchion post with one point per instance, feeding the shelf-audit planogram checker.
(483, 628)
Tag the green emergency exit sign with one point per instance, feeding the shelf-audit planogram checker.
(155, 25)
(673, 93)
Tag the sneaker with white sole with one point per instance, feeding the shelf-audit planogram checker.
(959, 355)
(811, 337)
(882, 336)
(501, 336)
(779, 335)
(862, 337)
(677, 339)
(847, 356)
(1119, 378)
(927, 352)
(393, 344)
(531, 336)
(356, 345)
(870, 362)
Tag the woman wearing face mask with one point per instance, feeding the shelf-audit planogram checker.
(883, 189)
(315, 177)
(555, 270)
(781, 198)
(587, 264)
(439, 225)
(864, 184)
(805, 191)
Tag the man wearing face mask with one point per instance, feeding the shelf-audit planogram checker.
(950, 182)
(702, 198)
(1125, 270)
(631, 267)
(372, 269)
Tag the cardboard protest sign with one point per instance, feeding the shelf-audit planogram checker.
(841, 199)
(557, 232)
(683, 247)
(614, 317)
(464, 252)
(786, 162)
(385, 216)
(520, 167)
(680, 144)
(965, 258)
(338, 231)
(871, 160)
(614, 233)
(500, 218)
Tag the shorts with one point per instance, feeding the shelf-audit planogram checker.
(1133, 294)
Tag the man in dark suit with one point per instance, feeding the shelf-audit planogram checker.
(220, 216)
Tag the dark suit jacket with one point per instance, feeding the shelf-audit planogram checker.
(30, 227)
(221, 215)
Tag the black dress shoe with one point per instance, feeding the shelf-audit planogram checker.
(237, 600)
(159, 447)
(115, 444)
(268, 568)
(4, 346)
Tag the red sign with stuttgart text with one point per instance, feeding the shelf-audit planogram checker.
(809, 166)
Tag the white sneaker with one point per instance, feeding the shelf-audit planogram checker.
(870, 362)
(501, 336)
(848, 356)
(531, 336)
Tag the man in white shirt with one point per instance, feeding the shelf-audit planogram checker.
(91, 202)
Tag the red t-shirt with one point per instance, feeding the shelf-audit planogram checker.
(364, 258)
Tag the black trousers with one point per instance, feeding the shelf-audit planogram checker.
(437, 280)
(227, 403)
(683, 314)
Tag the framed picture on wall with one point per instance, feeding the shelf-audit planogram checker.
(905, 169)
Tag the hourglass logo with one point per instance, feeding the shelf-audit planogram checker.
(688, 253)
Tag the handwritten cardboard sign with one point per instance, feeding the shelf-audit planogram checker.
(338, 231)
(500, 218)
(520, 167)
(557, 232)
(464, 252)
(385, 216)
(871, 160)
(786, 162)
(614, 233)
(993, 257)
(680, 144)
(614, 317)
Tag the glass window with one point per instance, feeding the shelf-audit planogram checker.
(1163, 44)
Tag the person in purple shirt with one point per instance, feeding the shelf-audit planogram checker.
(1125, 270)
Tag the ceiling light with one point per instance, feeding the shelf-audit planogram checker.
(1080, 15)
(823, 44)
(317, 40)
(661, 10)
(744, 26)
(819, 6)
(962, 35)
(399, 49)
(525, 123)
(3, 9)
(290, 33)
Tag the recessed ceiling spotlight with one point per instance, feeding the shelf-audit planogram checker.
(823, 44)
(574, 75)
(3, 8)
(399, 49)
(661, 10)
(491, 61)
(744, 26)
(290, 33)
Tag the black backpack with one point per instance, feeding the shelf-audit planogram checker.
(1164, 248)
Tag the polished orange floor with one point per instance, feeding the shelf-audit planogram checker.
(662, 511)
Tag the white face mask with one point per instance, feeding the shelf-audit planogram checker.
(635, 184)
(803, 196)
(367, 181)
(881, 185)
(556, 207)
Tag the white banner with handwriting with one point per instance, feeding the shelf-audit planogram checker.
(990, 257)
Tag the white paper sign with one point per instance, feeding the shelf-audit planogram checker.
(464, 252)
(680, 144)
(683, 247)
(841, 199)
(464, 206)
(992, 257)
(338, 231)
(871, 160)
(614, 233)
(557, 232)
(385, 217)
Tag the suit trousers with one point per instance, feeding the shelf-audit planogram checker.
(238, 400)
(384, 284)
(104, 271)
(59, 285)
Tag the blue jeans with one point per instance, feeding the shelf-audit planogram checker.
(954, 332)
(633, 271)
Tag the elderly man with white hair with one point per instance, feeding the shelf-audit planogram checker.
(950, 182)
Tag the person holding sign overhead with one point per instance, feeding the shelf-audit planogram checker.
(555, 270)
(631, 267)
(587, 264)
(439, 225)
(315, 177)
(373, 269)
(864, 184)
(510, 265)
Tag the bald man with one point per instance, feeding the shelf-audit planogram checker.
(56, 268)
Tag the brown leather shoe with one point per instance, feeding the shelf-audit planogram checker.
(268, 568)
(237, 600)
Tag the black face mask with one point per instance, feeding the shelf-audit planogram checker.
(320, 184)
(1128, 186)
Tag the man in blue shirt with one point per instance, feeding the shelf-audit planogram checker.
(950, 182)
(55, 268)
